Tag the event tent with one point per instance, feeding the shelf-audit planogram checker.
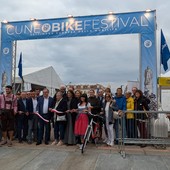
(164, 80)
(40, 77)
(164, 87)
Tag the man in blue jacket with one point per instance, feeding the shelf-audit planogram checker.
(121, 104)
(32, 118)
(44, 106)
(22, 118)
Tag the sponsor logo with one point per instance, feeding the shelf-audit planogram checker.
(148, 43)
(46, 27)
(6, 50)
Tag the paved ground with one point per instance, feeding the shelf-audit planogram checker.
(31, 157)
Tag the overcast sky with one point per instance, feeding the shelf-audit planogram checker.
(87, 59)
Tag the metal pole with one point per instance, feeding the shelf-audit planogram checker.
(140, 58)
(14, 65)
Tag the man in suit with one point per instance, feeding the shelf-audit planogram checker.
(44, 106)
(32, 119)
(22, 118)
(101, 98)
(63, 91)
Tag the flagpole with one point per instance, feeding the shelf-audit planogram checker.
(22, 85)
(14, 65)
(159, 45)
(159, 52)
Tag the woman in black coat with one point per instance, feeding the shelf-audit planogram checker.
(71, 117)
(141, 118)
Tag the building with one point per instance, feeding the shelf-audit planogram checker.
(38, 77)
(86, 87)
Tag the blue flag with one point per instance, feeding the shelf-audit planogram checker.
(165, 54)
(20, 67)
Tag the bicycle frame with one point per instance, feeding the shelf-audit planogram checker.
(89, 132)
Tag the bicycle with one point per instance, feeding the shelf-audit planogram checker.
(96, 133)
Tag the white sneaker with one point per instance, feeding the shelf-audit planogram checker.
(60, 143)
(81, 146)
(111, 144)
(105, 141)
(108, 142)
(54, 143)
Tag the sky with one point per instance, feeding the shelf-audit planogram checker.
(104, 59)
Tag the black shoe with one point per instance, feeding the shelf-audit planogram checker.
(24, 139)
(38, 143)
(116, 142)
(20, 141)
(143, 146)
(29, 142)
(46, 143)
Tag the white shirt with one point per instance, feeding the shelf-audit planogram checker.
(34, 101)
(45, 105)
(107, 109)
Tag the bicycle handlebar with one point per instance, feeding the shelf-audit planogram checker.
(95, 115)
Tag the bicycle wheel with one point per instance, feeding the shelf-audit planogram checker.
(86, 138)
(97, 134)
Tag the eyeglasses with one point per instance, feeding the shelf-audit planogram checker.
(107, 96)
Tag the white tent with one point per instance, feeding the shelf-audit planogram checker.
(42, 76)
(164, 87)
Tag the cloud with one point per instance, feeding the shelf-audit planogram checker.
(85, 59)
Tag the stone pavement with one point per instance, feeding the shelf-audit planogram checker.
(32, 157)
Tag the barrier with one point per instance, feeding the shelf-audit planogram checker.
(145, 128)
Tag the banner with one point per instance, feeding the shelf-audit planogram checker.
(5, 64)
(148, 77)
(123, 23)
(142, 23)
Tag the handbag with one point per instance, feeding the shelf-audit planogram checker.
(61, 118)
(146, 114)
(115, 115)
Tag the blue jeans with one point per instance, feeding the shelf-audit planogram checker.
(120, 122)
(41, 126)
(131, 129)
(59, 130)
(32, 127)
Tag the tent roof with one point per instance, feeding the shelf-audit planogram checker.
(44, 76)
(167, 74)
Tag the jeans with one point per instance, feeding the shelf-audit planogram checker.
(59, 130)
(32, 127)
(131, 128)
(43, 125)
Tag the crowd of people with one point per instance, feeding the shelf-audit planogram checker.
(31, 117)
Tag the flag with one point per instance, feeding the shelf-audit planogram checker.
(165, 54)
(20, 67)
